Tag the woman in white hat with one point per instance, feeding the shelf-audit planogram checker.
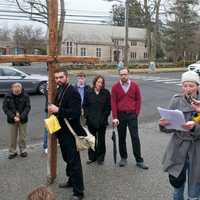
(182, 156)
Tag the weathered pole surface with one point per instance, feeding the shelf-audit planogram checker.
(52, 51)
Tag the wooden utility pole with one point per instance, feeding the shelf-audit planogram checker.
(52, 51)
(52, 60)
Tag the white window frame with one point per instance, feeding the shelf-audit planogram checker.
(83, 51)
(98, 52)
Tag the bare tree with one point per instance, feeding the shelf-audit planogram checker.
(4, 34)
(143, 14)
(28, 38)
(38, 11)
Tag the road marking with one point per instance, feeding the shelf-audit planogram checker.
(155, 79)
(172, 82)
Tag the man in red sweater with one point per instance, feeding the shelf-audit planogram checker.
(126, 104)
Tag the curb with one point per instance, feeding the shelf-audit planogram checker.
(132, 71)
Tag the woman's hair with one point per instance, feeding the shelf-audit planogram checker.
(96, 79)
(41, 193)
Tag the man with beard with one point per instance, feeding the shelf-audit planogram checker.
(126, 103)
(67, 105)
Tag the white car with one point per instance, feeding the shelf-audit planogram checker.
(31, 82)
(195, 67)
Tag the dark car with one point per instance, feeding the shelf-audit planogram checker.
(34, 83)
(24, 63)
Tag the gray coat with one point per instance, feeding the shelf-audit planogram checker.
(183, 145)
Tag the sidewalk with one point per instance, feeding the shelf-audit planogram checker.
(108, 182)
(132, 71)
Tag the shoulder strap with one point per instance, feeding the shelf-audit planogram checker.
(72, 130)
(63, 93)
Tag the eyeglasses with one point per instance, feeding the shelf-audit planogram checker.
(123, 74)
(59, 77)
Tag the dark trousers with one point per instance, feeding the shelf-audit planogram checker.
(100, 146)
(130, 120)
(72, 158)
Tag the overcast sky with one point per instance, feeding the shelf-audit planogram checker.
(84, 7)
(98, 5)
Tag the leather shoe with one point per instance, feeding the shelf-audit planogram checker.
(100, 162)
(74, 197)
(90, 161)
(24, 154)
(142, 165)
(123, 162)
(65, 185)
(11, 156)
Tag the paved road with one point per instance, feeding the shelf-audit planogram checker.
(107, 182)
(156, 89)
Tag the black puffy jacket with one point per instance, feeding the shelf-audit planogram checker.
(16, 103)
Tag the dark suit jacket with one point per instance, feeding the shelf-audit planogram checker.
(69, 104)
(86, 89)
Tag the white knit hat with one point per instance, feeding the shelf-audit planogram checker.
(190, 76)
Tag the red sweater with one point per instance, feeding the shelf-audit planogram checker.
(125, 102)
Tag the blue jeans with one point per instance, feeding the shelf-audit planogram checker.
(45, 139)
(193, 190)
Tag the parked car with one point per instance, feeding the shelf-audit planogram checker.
(24, 63)
(195, 67)
(32, 83)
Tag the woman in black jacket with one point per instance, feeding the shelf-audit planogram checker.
(97, 109)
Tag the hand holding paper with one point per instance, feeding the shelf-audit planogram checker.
(175, 118)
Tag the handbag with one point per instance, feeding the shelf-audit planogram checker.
(82, 142)
(52, 124)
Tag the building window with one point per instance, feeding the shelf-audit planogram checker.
(68, 50)
(133, 43)
(145, 55)
(133, 55)
(83, 51)
(98, 52)
(118, 42)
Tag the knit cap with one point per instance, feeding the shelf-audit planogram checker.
(190, 76)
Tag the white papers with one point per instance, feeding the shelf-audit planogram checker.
(175, 117)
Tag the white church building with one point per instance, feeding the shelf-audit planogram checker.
(104, 41)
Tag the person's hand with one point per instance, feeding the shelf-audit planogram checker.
(16, 119)
(196, 105)
(189, 125)
(52, 108)
(115, 122)
(164, 122)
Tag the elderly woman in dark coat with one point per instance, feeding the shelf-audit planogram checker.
(97, 108)
(182, 158)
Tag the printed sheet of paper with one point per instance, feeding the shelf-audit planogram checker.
(175, 117)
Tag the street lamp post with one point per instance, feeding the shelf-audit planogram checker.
(126, 33)
(126, 30)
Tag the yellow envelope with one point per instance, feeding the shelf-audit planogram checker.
(52, 124)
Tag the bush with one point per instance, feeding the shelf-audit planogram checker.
(181, 63)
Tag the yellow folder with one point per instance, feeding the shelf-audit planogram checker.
(52, 124)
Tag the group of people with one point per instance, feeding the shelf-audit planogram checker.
(94, 104)
(91, 106)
